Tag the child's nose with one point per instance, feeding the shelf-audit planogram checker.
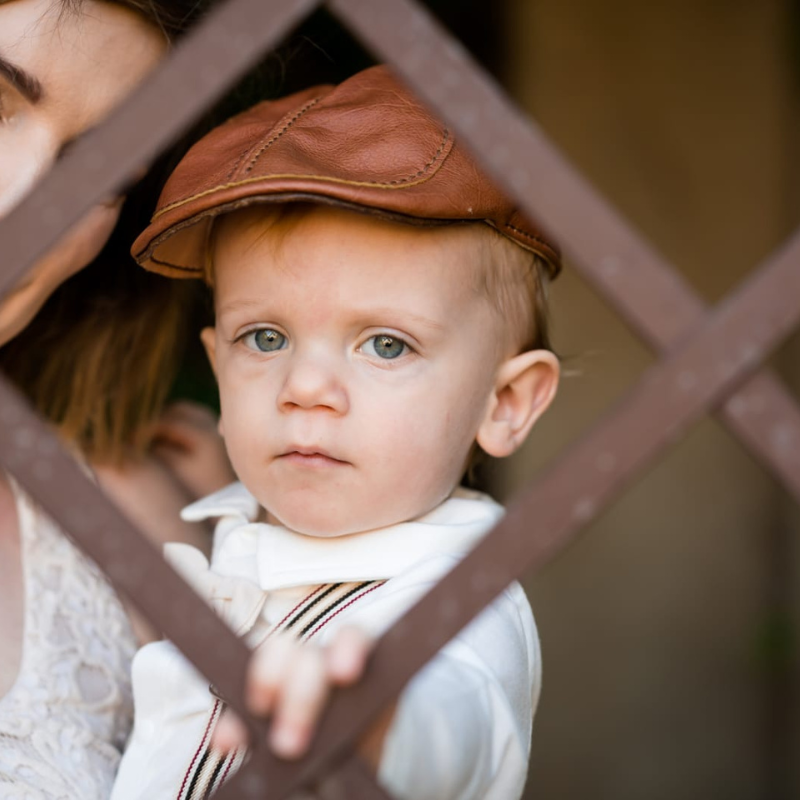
(313, 382)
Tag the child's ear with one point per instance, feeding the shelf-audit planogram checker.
(208, 336)
(523, 390)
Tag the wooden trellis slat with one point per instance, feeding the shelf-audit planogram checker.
(352, 781)
(727, 347)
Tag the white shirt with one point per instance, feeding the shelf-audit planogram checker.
(463, 724)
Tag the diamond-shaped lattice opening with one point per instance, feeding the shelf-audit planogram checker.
(680, 115)
(786, 363)
(675, 566)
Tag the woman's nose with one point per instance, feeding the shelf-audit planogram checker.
(313, 382)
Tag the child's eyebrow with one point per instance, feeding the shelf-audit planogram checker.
(393, 312)
(371, 315)
(235, 305)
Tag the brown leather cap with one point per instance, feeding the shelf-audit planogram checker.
(366, 144)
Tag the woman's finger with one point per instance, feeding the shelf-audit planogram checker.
(185, 424)
(187, 442)
(184, 414)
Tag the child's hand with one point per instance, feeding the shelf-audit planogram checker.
(291, 682)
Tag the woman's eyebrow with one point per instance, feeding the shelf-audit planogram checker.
(23, 81)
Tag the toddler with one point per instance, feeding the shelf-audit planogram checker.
(379, 322)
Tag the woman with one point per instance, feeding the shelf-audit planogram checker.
(65, 641)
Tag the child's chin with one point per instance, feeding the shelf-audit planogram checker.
(321, 527)
(312, 525)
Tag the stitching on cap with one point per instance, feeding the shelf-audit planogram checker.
(238, 163)
(399, 183)
(280, 133)
(540, 246)
(284, 176)
(527, 235)
(169, 264)
(554, 267)
(248, 149)
(428, 165)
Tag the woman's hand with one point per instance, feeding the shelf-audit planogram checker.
(151, 497)
(291, 682)
(187, 442)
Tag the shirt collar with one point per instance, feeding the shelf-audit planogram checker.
(275, 557)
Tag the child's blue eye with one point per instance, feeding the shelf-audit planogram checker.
(385, 346)
(267, 340)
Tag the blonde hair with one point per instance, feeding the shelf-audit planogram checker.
(515, 281)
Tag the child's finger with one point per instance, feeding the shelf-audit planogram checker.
(268, 671)
(299, 704)
(346, 656)
(230, 733)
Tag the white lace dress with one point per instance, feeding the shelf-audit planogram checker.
(65, 720)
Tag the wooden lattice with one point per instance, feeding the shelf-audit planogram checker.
(711, 360)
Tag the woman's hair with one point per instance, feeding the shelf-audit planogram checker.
(171, 16)
(100, 357)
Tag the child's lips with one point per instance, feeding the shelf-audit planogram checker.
(311, 458)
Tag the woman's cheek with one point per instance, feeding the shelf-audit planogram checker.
(73, 253)
(26, 153)
(84, 242)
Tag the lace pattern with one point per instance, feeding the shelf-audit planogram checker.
(65, 720)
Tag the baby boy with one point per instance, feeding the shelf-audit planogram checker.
(379, 323)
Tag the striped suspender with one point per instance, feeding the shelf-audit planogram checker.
(209, 768)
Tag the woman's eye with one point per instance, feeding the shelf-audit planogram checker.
(266, 340)
(385, 346)
(6, 107)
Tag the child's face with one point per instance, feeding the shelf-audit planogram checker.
(355, 360)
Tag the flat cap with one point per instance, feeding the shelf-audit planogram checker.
(366, 144)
